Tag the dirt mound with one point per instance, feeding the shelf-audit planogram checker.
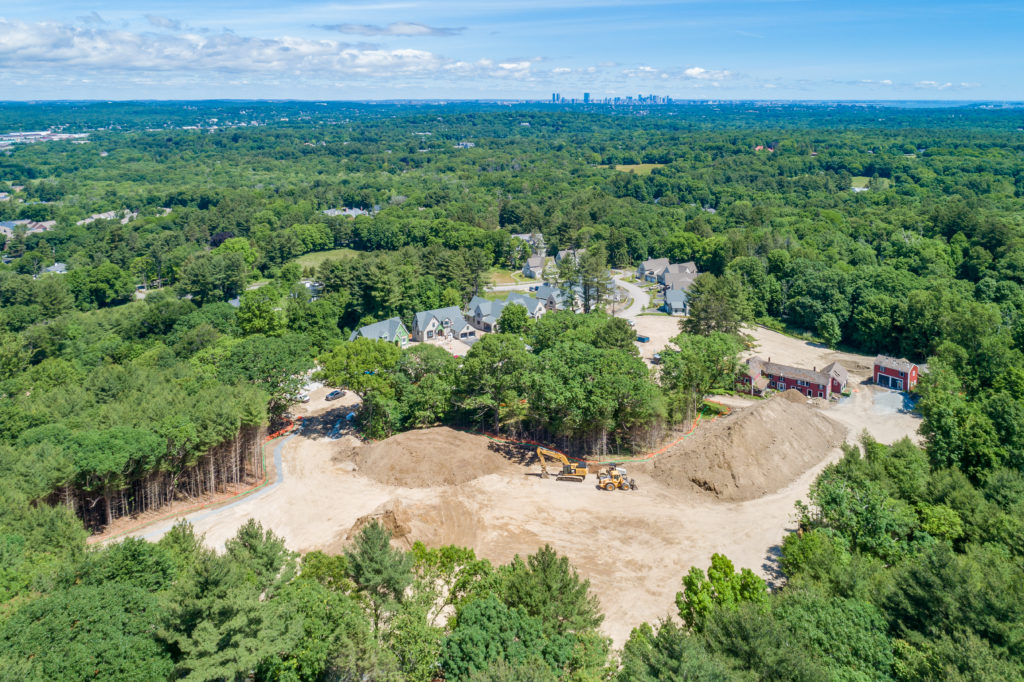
(392, 515)
(427, 458)
(752, 452)
(794, 396)
(445, 522)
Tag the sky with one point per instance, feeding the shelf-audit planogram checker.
(515, 49)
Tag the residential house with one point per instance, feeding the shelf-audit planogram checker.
(678, 281)
(687, 268)
(484, 313)
(536, 242)
(345, 211)
(7, 227)
(57, 269)
(651, 268)
(4, 196)
(575, 254)
(534, 267)
(551, 297)
(391, 330)
(895, 373)
(826, 383)
(440, 324)
(676, 302)
(34, 227)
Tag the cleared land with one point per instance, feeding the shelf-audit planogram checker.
(861, 181)
(729, 488)
(312, 260)
(638, 168)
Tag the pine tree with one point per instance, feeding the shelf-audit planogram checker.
(381, 572)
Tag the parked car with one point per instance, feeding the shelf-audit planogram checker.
(632, 323)
(334, 395)
(303, 397)
(656, 359)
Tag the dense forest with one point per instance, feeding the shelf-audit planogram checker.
(910, 561)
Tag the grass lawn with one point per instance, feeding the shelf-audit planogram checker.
(638, 168)
(495, 295)
(501, 276)
(317, 257)
(862, 181)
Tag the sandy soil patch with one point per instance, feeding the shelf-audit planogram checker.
(789, 351)
(660, 328)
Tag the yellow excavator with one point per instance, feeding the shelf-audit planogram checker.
(570, 471)
(615, 478)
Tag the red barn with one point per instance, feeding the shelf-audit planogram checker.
(813, 383)
(895, 373)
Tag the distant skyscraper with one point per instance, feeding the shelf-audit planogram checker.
(554, 98)
(586, 98)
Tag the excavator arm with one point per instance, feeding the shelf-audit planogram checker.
(569, 471)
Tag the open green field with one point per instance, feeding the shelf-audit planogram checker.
(317, 257)
(501, 276)
(638, 168)
(863, 180)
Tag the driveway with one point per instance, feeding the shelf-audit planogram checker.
(639, 297)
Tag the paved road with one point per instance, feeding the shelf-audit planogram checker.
(515, 287)
(640, 298)
(156, 532)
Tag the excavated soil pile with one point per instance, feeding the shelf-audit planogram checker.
(427, 458)
(794, 396)
(753, 452)
(445, 522)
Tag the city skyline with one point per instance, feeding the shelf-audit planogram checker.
(522, 49)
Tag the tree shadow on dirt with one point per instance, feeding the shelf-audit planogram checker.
(329, 424)
(772, 568)
(521, 454)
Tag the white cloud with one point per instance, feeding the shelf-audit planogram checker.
(561, 69)
(404, 29)
(34, 47)
(932, 85)
(703, 74)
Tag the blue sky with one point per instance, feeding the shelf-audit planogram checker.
(359, 49)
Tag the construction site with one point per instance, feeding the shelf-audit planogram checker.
(729, 486)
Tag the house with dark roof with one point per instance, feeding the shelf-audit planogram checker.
(443, 323)
(391, 330)
(687, 268)
(676, 302)
(57, 269)
(760, 375)
(484, 313)
(898, 374)
(651, 268)
(552, 297)
(534, 267)
(575, 254)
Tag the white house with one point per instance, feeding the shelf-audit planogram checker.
(438, 325)
(534, 267)
(484, 313)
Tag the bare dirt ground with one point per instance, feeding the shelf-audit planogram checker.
(790, 351)
(660, 328)
(446, 487)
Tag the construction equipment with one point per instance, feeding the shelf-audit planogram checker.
(615, 477)
(570, 471)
